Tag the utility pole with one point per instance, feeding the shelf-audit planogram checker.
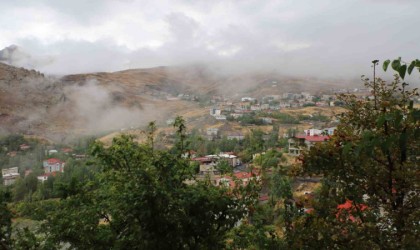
(375, 62)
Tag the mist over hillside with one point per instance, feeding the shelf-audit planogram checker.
(32, 102)
(99, 74)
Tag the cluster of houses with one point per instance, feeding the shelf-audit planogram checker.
(51, 167)
(223, 109)
(22, 147)
(270, 102)
(208, 163)
(308, 139)
(215, 133)
(208, 169)
(222, 106)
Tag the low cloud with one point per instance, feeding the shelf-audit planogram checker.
(96, 108)
(299, 38)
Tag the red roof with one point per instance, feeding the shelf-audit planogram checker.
(309, 211)
(67, 150)
(240, 176)
(53, 161)
(202, 159)
(350, 208)
(263, 197)
(243, 175)
(349, 204)
(314, 138)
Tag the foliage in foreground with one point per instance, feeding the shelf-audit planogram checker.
(146, 199)
(372, 163)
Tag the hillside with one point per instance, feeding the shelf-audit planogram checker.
(201, 80)
(25, 98)
(58, 108)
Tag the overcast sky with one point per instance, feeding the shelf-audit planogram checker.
(295, 37)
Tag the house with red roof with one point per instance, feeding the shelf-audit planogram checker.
(204, 160)
(232, 159)
(53, 165)
(300, 142)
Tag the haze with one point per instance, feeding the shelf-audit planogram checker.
(307, 38)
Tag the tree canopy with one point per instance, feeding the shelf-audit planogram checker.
(371, 165)
(147, 199)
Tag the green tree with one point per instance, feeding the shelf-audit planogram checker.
(254, 142)
(12, 142)
(25, 187)
(373, 161)
(181, 132)
(224, 167)
(255, 236)
(281, 192)
(261, 230)
(273, 139)
(269, 159)
(5, 221)
(140, 201)
(27, 240)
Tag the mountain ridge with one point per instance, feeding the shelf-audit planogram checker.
(33, 103)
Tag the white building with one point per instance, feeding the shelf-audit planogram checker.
(220, 117)
(312, 132)
(10, 175)
(215, 111)
(329, 131)
(52, 151)
(248, 99)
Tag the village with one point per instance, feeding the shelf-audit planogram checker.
(244, 112)
(209, 125)
(234, 143)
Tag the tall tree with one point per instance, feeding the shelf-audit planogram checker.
(371, 167)
(145, 201)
